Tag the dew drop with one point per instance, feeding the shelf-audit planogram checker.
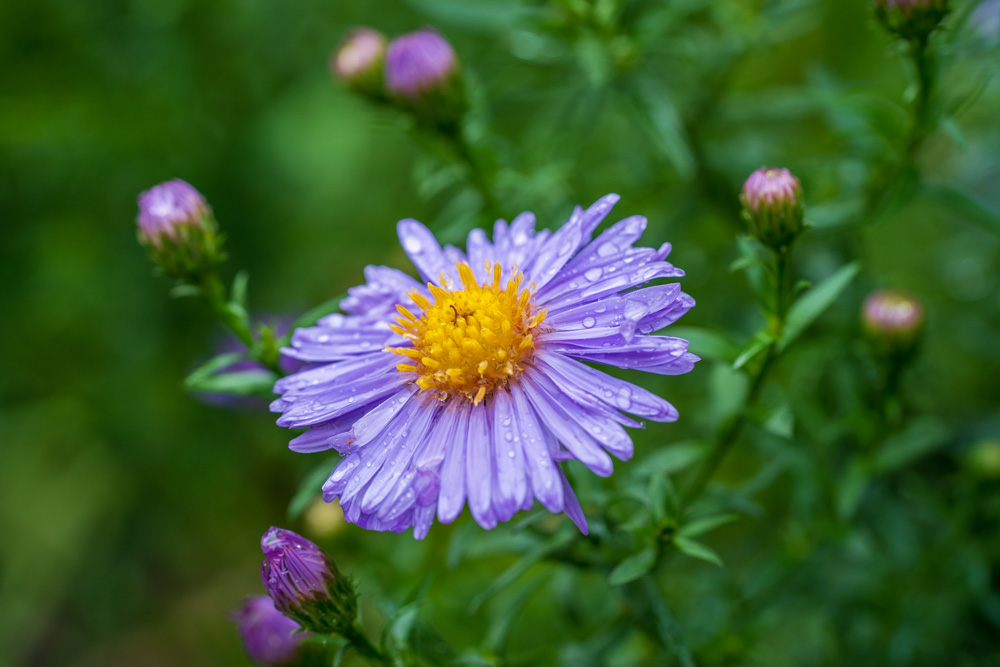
(508, 436)
(607, 249)
(323, 338)
(412, 244)
(589, 322)
(368, 464)
(506, 421)
(600, 309)
(593, 274)
(510, 453)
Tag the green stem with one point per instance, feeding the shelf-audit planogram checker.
(360, 643)
(727, 435)
(214, 294)
(477, 177)
(923, 63)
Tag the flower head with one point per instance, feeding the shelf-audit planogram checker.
(269, 637)
(421, 73)
(176, 226)
(911, 19)
(304, 583)
(772, 206)
(893, 318)
(470, 386)
(358, 60)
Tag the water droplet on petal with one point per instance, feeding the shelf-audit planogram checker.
(412, 244)
(593, 274)
(510, 453)
(589, 322)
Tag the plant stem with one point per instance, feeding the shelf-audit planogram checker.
(728, 434)
(476, 173)
(360, 643)
(924, 66)
(214, 294)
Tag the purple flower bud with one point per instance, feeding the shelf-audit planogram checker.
(911, 19)
(305, 584)
(893, 319)
(267, 633)
(176, 226)
(772, 206)
(418, 62)
(166, 209)
(358, 60)
(421, 74)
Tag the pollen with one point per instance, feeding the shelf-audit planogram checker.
(469, 341)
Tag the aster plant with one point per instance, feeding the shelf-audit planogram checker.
(470, 386)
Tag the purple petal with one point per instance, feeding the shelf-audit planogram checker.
(423, 250)
(452, 473)
(512, 482)
(542, 470)
(479, 467)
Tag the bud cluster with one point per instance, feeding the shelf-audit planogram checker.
(305, 584)
(772, 206)
(911, 19)
(177, 228)
(418, 72)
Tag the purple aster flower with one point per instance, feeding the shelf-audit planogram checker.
(893, 318)
(358, 60)
(269, 637)
(305, 584)
(419, 62)
(471, 386)
(176, 226)
(772, 206)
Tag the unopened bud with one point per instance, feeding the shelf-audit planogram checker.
(893, 320)
(911, 19)
(177, 227)
(358, 61)
(269, 637)
(772, 206)
(422, 74)
(305, 584)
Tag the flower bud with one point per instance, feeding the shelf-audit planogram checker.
(772, 206)
(305, 584)
(893, 320)
(269, 637)
(422, 74)
(358, 61)
(911, 19)
(177, 227)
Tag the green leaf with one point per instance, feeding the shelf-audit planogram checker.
(663, 498)
(310, 487)
(310, 317)
(209, 368)
(966, 206)
(671, 458)
(814, 302)
(707, 344)
(919, 438)
(181, 291)
(238, 295)
(514, 572)
(241, 383)
(757, 344)
(699, 526)
(696, 549)
(633, 567)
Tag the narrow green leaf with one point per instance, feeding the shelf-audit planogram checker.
(209, 368)
(707, 344)
(309, 488)
(312, 316)
(696, 549)
(181, 291)
(671, 458)
(241, 383)
(511, 574)
(633, 567)
(238, 295)
(757, 344)
(699, 526)
(921, 437)
(965, 206)
(813, 303)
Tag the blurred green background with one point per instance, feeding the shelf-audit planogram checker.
(130, 513)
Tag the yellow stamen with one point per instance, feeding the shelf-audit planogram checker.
(469, 341)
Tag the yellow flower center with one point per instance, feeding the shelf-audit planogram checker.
(472, 340)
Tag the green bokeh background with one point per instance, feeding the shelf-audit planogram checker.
(130, 513)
